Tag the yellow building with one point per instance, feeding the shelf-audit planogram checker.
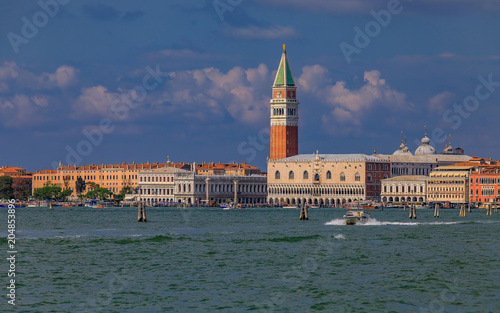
(112, 177)
(448, 186)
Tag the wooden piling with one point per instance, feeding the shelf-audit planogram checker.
(462, 210)
(413, 212)
(303, 212)
(50, 206)
(141, 214)
(470, 208)
(436, 210)
(488, 209)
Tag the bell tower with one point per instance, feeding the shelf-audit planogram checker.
(284, 113)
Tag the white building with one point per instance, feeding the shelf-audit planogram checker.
(411, 188)
(158, 185)
(171, 184)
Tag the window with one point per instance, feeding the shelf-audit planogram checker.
(357, 177)
(342, 176)
(369, 166)
(369, 179)
(306, 175)
(386, 167)
(291, 175)
(385, 176)
(328, 175)
(277, 175)
(316, 177)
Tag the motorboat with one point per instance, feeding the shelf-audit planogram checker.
(353, 217)
(291, 207)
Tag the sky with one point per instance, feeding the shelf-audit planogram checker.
(93, 82)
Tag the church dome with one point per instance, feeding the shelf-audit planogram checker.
(425, 148)
(403, 150)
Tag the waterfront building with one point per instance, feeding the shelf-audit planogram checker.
(110, 176)
(408, 188)
(14, 172)
(448, 186)
(157, 185)
(451, 183)
(325, 179)
(284, 113)
(165, 185)
(485, 185)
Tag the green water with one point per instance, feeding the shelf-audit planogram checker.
(263, 260)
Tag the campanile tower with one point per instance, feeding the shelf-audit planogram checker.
(284, 113)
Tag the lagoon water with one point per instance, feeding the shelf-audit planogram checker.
(262, 259)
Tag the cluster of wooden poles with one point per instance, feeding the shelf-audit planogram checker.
(413, 211)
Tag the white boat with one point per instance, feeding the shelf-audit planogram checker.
(291, 207)
(353, 217)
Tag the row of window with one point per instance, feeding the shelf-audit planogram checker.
(377, 167)
(156, 179)
(403, 189)
(486, 191)
(162, 191)
(489, 180)
(281, 111)
(305, 175)
(85, 177)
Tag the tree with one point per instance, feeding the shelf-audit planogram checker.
(66, 180)
(21, 188)
(80, 185)
(99, 193)
(48, 193)
(125, 191)
(92, 185)
(65, 194)
(6, 191)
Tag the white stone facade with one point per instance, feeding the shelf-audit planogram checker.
(176, 185)
(404, 189)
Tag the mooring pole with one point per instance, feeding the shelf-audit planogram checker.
(436, 210)
(462, 210)
(303, 212)
(141, 212)
(413, 213)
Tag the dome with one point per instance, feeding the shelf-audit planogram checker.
(403, 150)
(458, 151)
(425, 148)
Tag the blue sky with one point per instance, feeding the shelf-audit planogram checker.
(111, 82)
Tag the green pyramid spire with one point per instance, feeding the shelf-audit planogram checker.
(284, 75)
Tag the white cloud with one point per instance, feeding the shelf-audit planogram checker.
(439, 102)
(14, 77)
(94, 100)
(207, 94)
(255, 32)
(351, 106)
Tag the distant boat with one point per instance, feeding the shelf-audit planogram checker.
(291, 207)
